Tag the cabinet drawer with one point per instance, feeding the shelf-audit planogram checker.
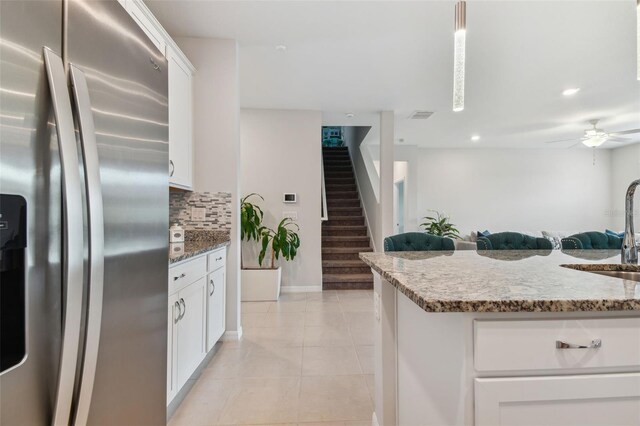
(217, 259)
(186, 273)
(531, 345)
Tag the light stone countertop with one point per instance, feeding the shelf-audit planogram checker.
(508, 281)
(197, 243)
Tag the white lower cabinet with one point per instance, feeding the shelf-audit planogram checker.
(583, 400)
(191, 329)
(215, 306)
(569, 372)
(172, 321)
(195, 315)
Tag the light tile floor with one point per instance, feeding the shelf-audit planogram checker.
(306, 359)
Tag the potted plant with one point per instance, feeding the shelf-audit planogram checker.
(440, 225)
(263, 283)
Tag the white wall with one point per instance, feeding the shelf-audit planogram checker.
(216, 108)
(625, 168)
(281, 152)
(509, 189)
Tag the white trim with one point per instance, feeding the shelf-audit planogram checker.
(167, 38)
(232, 335)
(301, 288)
(325, 211)
(364, 210)
(374, 420)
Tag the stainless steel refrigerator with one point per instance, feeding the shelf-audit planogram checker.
(83, 216)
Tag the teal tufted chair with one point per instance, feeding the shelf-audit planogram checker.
(513, 241)
(417, 241)
(591, 241)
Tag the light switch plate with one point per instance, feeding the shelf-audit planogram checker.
(198, 214)
(290, 215)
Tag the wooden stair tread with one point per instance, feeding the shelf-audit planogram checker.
(343, 263)
(347, 277)
(346, 249)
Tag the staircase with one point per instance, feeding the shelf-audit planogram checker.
(344, 235)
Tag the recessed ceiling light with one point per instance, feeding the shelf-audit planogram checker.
(281, 47)
(571, 92)
(350, 115)
(475, 138)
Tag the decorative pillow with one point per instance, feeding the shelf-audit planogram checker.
(484, 233)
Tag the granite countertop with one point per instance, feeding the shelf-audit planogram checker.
(509, 281)
(196, 243)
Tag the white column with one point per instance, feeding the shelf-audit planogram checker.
(216, 130)
(386, 177)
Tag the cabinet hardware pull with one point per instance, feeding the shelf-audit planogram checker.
(173, 168)
(213, 287)
(178, 277)
(595, 344)
(184, 306)
(177, 305)
(218, 258)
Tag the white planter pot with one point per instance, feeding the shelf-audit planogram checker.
(261, 284)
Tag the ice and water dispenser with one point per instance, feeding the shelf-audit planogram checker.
(13, 244)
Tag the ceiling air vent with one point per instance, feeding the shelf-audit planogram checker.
(420, 115)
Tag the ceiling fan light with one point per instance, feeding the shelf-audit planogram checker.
(595, 141)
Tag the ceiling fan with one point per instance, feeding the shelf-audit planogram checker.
(595, 137)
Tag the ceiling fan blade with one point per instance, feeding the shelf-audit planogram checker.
(620, 140)
(562, 140)
(575, 144)
(625, 132)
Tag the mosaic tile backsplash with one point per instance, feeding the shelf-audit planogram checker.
(216, 205)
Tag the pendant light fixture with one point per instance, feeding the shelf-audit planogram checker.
(459, 55)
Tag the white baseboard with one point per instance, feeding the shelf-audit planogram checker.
(374, 420)
(300, 288)
(232, 335)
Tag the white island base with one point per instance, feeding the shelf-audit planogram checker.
(475, 368)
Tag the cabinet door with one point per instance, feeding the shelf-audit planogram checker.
(180, 121)
(584, 400)
(215, 306)
(172, 321)
(191, 329)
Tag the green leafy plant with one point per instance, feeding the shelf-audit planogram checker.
(283, 241)
(251, 216)
(440, 225)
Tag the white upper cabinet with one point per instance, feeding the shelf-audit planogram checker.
(180, 120)
(180, 73)
(147, 22)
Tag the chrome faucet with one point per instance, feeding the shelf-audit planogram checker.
(629, 247)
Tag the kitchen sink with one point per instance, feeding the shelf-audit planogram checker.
(625, 275)
(625, 272)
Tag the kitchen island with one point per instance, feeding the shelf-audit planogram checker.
(486, 338)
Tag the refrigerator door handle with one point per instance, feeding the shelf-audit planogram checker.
(96, 241)
(72, 275)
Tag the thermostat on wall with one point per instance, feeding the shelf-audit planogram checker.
(290, 198)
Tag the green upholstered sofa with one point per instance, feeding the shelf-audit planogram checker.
(513, 241)
(591, 241)
(417, 241)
